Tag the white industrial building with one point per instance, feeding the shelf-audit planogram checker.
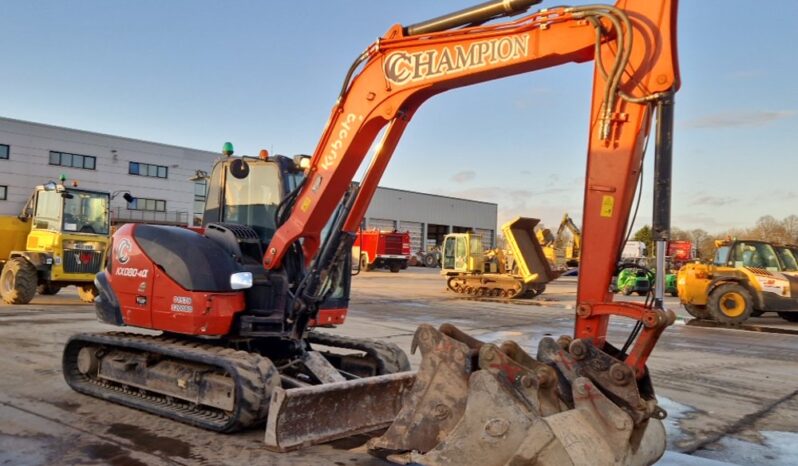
(160, 176)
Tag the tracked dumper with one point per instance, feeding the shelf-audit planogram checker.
(521, 274)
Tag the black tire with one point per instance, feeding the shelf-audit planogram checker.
(364, 262)
(756, 313)
(430, 261)
(699, 312)
(730, 304)
(641, 292)
(18, 281)
(789, 316)
(395, 267)
(48, 288)
(87, 293)
(674, 294)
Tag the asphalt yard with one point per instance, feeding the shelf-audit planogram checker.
(730, 394)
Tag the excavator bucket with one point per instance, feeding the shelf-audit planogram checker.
(438, 397)
(532, 263)
(515, 409)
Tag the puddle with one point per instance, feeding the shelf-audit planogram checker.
(111, 454)
(146, 441)
(676, 412)
(777, 449)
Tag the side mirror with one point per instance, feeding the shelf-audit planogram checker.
(128, 198)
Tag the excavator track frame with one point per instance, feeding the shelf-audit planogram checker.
(254, 378)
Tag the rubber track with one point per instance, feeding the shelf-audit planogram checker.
(526, 292)
(254, 378)
(390, 358)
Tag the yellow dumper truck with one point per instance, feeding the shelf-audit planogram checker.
(59, 239)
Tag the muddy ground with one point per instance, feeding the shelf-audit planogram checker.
(731, 394)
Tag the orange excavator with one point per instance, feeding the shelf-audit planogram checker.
(237, 304)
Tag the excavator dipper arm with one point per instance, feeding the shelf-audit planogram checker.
(633, 46)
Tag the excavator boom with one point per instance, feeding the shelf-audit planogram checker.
(575, 385)
(634, 50)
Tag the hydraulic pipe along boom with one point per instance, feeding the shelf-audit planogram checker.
(476, 14)
(663, 162)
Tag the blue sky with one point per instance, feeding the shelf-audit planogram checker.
(265, 75)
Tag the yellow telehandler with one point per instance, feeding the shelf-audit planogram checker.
(58, 240)
(747, 278)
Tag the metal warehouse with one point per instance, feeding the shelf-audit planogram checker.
(430, 216)
(167, 182)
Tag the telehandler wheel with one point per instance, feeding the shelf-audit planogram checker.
(430, 261)
(48, 288)
(730, 303)
(699, 312)
(18, 281)
(789, 316)
(87, 293)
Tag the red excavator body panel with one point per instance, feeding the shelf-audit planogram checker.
(149, 298)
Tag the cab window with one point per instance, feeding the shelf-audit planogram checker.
(758, 255)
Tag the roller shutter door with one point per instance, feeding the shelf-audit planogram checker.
(381, 224)
(487, 237)
(416, 230)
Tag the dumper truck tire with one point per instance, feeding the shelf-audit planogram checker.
(789, 316)
(48, 288)
(87, 293)
(18, 281)
(730, 303)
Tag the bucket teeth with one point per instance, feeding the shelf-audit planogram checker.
(438, 397)
(477, 403)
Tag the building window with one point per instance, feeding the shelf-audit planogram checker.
(140, 203)
(200, 194)
(86, 162)
(146, 169)
(3, 193)
(4, 150)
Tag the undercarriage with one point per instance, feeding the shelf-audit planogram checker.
(213, 385)
(494, 285)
